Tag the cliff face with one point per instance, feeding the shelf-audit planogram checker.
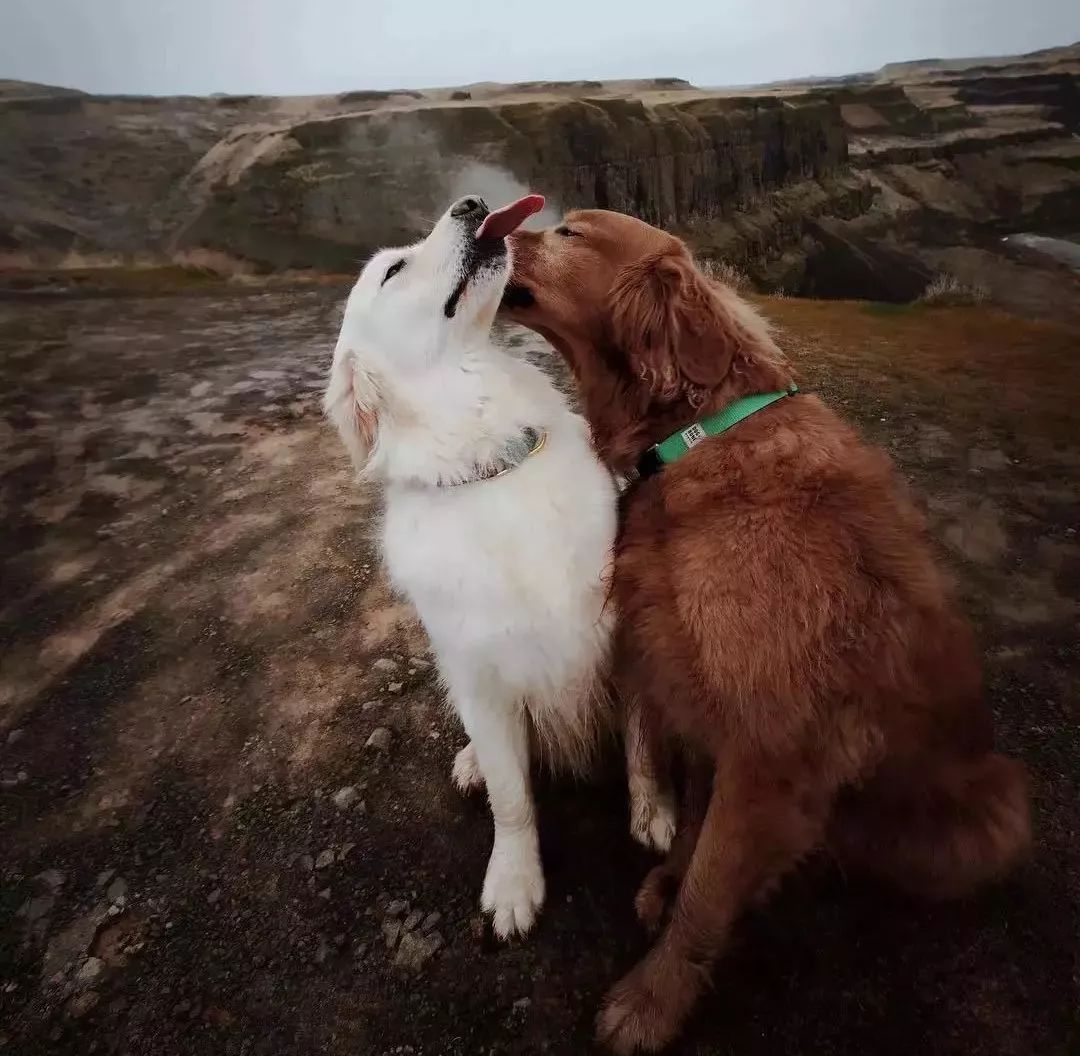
(927, 154)
(327, 191)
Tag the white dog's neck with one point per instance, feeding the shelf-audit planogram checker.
(437, 424)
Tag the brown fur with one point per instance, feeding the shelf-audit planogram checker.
(782, 617)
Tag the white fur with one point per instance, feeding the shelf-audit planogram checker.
(507, 574)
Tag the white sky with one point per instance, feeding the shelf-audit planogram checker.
(315, 46)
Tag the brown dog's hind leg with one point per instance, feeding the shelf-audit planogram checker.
(756, 828)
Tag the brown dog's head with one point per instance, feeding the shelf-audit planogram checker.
(640, 325)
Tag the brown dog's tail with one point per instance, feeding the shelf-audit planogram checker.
(936, 831)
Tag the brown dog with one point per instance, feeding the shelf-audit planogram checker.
(781, 615)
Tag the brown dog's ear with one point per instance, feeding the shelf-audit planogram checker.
(672, 324)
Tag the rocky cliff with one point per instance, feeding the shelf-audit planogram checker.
(778, 180)
(328, 190)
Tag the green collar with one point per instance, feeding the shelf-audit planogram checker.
(678, 444)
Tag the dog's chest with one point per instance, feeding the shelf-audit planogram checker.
(513, 556)
(468, 551)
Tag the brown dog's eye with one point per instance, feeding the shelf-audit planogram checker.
(567, 233)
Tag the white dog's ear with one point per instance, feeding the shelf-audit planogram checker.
(351, 403)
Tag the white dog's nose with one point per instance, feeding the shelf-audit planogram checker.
(470, 206)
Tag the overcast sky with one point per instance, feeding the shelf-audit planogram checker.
(315, 46)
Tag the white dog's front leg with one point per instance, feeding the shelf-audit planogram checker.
(652, 802)
(514, 885)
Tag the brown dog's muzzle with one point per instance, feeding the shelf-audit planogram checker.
(519, 293)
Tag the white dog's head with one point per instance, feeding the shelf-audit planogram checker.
(413, 307)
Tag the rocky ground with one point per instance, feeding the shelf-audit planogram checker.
(225, 811)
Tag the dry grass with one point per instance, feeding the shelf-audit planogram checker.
(979, 364)
(948, 291)
(727, 273)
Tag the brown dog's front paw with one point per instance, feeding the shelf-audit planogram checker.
(636, 1017)
(651, 903)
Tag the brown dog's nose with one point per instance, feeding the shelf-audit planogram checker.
(469, 207)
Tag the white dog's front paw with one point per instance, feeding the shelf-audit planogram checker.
(652, 817)
(466, 772)
(514, 885)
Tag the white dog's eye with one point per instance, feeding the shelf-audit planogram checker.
(392, 271)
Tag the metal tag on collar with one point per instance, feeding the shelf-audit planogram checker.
(693, 434)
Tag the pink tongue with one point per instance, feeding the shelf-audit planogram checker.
(510, 217)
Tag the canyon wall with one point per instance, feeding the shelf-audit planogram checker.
(777, 179)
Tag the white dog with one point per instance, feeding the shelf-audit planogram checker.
(499, 523)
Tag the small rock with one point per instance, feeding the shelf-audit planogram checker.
(79, 1005)
(431, 921)
(53, 879)
(419, 663)
(346, 848)
(391, 930)
(380, 740)
(14, 736)
(90, 972)
(324, 894)
(522, 1004)
(214, 897)
(397, 907)
(345, 797)
(385, 665)
(117, 890)
(414, 950)
(413, 919)
(325, 859)
(395, 687)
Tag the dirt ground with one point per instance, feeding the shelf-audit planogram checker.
(199, 853)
